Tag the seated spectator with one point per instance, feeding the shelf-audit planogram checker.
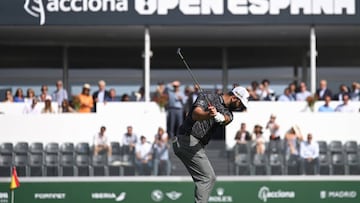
(19, 95)
(355, 91)
(273, 128)
(264, 91)
(30, 95)
(129, 139)
(31, 108)
(242, 135)
(252, 91)
(161, 153)
(346, 106)
(343, 89)
(44, 93)
(125, 98)
(259, 141)
(143, 157)
(293, 89)
(292, 138)
(60, 93)
(48, 107)
(86, 100)
(303, 92)
(66, 107)
(112, 96)
(101, 142)
(286, 96)
(8, 97)
(309, 154)
(326, 107)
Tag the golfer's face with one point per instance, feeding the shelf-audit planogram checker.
(236, 104)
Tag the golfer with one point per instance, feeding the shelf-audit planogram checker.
(196, 130)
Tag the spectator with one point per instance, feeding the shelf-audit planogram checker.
(303, 92)
(101, 94)
(31, 108)
(86, 101)
(286, 97)
(346, 106)
(125, 98)
(175, 109)
(292, 138)
(323, 90)
(259, 141)
(44, 93)
(293, 89)
(160, 96)
(140, 94)
(8, 97)
(264, 92)
(253, 91)
(326, 107)
(48, 107)
(343, 89)
(129, 139)
(112, 96)
(309, 155)
(66, 107)
(242, 135)
(273, 128)
(161, 153)
(101, 142)
(19, 95)
(355, 91)
(143, 157)
(60, 93)
(191, 98)
(30, 95)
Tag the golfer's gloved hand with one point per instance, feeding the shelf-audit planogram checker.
(219, 118)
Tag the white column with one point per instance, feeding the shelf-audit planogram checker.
(147, 55)
(313, 54)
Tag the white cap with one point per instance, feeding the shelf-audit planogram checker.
(86, 85)
(242, 94)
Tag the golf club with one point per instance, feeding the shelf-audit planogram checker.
(192, 76)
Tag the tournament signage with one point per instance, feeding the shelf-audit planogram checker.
(172, 12)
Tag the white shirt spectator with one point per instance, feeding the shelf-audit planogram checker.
(100, 140)
(143, 150)
(301, 96)
(309, 150)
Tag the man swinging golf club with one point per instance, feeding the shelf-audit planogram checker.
(208, 113)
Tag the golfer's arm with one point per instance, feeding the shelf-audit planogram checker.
(200, 114)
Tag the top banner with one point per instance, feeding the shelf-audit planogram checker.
(177, 12)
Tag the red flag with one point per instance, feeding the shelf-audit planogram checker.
(14, 180)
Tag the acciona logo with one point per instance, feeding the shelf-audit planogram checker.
(39, 8)
(264, 194)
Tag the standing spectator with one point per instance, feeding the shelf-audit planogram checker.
(161, 153)
(242, 135)
(346, 106)
(31, 108)
(160, 96)
(286, 97)
(60, 93)
(85, 99)
(191, 98)
(8, 97)
(343, 89)
(101, 94)
(44, 93)
(30, 95)
(19, 95)
(355, 91)
(292, 139)
(326, 107)
(273, 128)
(175, 109)
(309, 154)
(129, 139)
(323, 90)
(101, 142)
(143, 157)
(65, 107)
(112, 96)
(265, 92)
(303, 92)
(258, 138)
(48, 108)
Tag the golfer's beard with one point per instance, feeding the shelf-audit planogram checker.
(233, 106)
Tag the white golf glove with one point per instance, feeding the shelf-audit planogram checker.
(219, 118)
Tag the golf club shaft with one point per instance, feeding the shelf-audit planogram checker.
(193, 76)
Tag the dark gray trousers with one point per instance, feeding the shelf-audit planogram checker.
(191, 152)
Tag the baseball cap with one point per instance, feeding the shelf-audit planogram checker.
(242, 94)
(86, 85)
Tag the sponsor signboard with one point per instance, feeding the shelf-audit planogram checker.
(182, 191)
(160, 12)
